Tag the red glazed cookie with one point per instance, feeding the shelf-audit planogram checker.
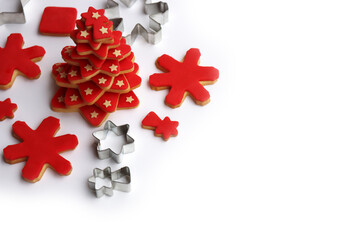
(165, 128)
(90, 92)
(84, 35)
(7, 109)
(120, 84)
(108, 102)
(58, 101)
(183, 78)
(18, 61)
(58, 21)
(59, 73)
(40, 149)
(103, 81)
(102, 27)
(94, 115)
(73, 99)
(127, 101)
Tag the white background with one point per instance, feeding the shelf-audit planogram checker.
(274, 155)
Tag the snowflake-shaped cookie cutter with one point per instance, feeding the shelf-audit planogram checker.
(120, 131)
(116, 184)
(158, 15)
(14, 17)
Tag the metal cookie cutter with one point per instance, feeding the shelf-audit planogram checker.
(121, 131)
(14, 17)
(116, 184)
(158, 14)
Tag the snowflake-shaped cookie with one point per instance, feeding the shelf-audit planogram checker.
(16, 60)
(40, 149)
(184, 78)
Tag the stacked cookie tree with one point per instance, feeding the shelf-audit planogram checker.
(99, 73)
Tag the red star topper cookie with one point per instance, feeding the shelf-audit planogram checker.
(184, 78)
(94, 17)
(165, 128)
(102, 27)
(40, 149)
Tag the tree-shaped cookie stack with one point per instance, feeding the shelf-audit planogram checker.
(99, 74)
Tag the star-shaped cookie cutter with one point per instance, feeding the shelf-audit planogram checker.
(121, 131)
(116, 184)
(158, 14)
(14, 17)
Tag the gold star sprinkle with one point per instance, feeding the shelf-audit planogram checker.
(61, 99)
(94, 114)
(96, 15)
(102, 80)
(88, 91)
(73, 73)
(120, 83)
(88, 67)
(74, 98)
(113, 67)
(117, 53)
(84, 33)
(129, 99)
(107, 103)
(103, 30)
(63, 75)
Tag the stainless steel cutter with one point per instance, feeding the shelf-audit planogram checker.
(120, 181)
(14, 17)
(158, 14)
(120, 131)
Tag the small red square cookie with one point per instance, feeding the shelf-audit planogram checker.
(58, 21)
